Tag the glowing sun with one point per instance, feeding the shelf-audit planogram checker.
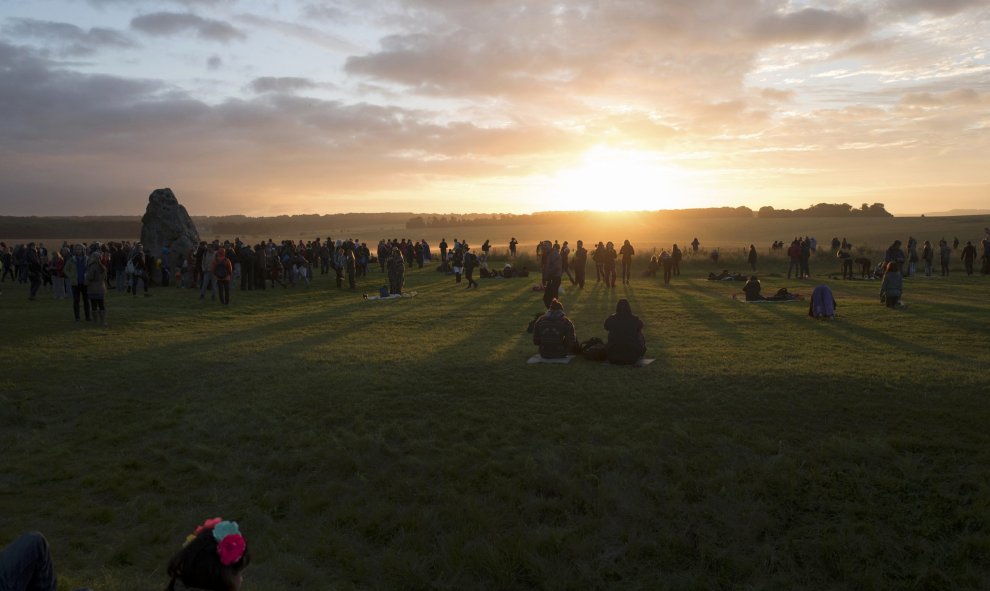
(610, 179)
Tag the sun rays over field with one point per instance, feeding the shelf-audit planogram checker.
(612, 179)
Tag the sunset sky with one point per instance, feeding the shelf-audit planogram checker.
(281, 107)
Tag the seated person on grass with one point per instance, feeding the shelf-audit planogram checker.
(626, 344)
(211, 559)
(752, 290)
(554, 333)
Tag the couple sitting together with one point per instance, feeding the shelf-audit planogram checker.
(554, 333)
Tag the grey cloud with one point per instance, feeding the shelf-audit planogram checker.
(285, 84)
(958, 97)
(171, 23)
(182, 2)
(143, 131)
(214, 62)
(867, 48)
(809, 24)
(936, 7)
(324, 12)
(777, 95)
(302, 32)
(69, 39)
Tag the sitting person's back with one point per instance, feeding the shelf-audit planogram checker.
(626, 343)
(752, 290)
(554, 332)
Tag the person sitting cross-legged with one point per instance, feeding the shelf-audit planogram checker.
(626, 344)
(554, 332)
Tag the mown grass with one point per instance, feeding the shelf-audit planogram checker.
(407, 445)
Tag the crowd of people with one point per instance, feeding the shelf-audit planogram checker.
(85, 273)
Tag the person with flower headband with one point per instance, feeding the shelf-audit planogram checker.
(211, 559)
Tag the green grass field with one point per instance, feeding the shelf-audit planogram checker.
(407, 445)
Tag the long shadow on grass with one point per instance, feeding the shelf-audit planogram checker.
(888, 340)
(703, 308)
(957, 316)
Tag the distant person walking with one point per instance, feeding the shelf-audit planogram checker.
(565, 263)
(667, 261)
(512, 247)
(222, 271)
(396, 272)
(752, 257)
(206, 264)
(579, 262)
(96, 284)
(794, 255)
(75, 272)
(598, 257)
(627, 253)
(912, 257)
(945, 256)
(695, 244)
(676, 255)
(928, 256)
(608, 265)
(968, 256)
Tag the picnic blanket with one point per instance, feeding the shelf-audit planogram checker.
(395, 296)
(641, 363)
(537, 359)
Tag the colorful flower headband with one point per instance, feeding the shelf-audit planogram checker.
(230, 542)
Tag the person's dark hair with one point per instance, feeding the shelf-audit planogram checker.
(622, 308)
(198, 565)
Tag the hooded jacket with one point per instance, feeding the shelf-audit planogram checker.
(626, 343)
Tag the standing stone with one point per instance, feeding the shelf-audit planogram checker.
(165, 222)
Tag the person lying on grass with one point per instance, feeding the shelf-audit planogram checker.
(753, 288)
(554, 332)
(626, 344)
(211, 559)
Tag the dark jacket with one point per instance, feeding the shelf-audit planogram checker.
(752, 290)
(893, 284)
(554, 334)
(626, 343)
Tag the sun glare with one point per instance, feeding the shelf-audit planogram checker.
(609, 179)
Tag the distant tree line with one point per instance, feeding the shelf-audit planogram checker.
(129, 227)
(827, 210)
(238, 225)
(70, 228)
(476, 219)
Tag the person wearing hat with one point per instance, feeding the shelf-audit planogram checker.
(554, 332)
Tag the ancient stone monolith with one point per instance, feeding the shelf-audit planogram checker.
(166, 223)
